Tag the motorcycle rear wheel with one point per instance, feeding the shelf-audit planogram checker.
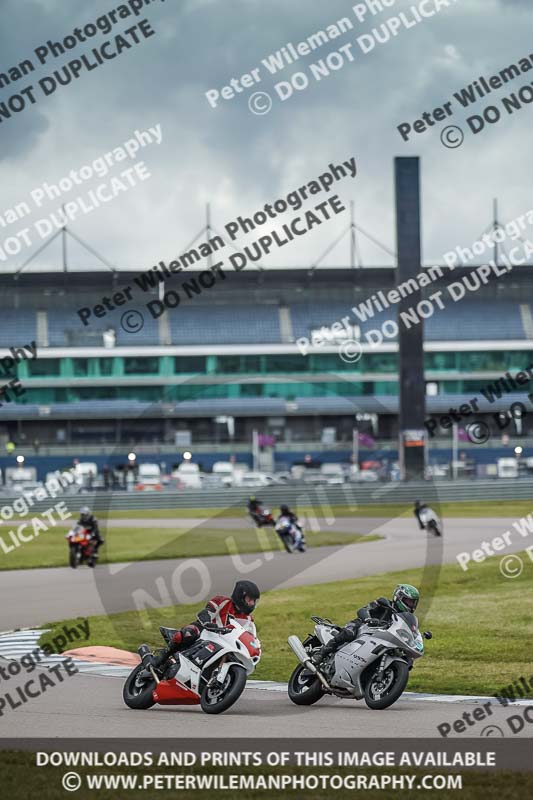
(304, 690)
(395, 680)
(216, 699)
(137, 693)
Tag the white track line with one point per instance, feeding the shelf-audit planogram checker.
(15, 644)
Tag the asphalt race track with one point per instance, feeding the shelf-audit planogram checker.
(90, 705)
(37, 596)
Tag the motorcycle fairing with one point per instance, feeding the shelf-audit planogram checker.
(353, 658)
(214, 647)
(201, 652)
(350, 661)
(172, 693)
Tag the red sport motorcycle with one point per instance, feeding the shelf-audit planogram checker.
(262, 517)
(81, 547)
(210, 673)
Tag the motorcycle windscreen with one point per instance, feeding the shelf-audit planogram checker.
(409, 618)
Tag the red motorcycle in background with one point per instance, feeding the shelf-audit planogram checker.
(81, 547)
(262, 517)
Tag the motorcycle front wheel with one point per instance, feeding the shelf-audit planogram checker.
(218, 697)
(287, 542)
(137, 691)
(304, 687)
(74, 556)
(382, 692)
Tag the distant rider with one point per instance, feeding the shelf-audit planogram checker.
(427, 518)
(255, 508)
(254, 504)
(404, 598)
(297, 532)
(90, 523)
(286, 512)
(216, 615)
(418, 509)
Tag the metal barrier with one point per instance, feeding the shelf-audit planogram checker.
(296, 495)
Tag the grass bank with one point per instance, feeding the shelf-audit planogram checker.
(480, 621)
(146, 544)
(488, 508)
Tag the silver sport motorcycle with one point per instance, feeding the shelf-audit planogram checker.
(374, 667)
(430, 521)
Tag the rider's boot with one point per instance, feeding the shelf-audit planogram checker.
(182, 638)
(162, 657)
(346, 634)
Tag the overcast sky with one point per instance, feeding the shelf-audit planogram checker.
(239, 161)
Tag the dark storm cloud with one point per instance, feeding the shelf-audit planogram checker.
(18, 22)
(239, 161)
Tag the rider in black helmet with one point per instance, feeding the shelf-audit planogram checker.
(417, 510)
(286, 512)
(216, 615)
(90, 523)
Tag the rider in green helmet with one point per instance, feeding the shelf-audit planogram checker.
(404, 599)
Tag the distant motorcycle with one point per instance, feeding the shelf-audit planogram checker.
(210, 673)
(430, 521)
(262, 517)
(375, 666)
(81, 547)
(291, 535)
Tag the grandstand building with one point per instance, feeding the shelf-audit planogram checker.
(232, 352)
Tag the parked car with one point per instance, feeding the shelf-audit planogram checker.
(254, 479)
(367, 475)
(149, 478)
(189, 475)
(26, 486)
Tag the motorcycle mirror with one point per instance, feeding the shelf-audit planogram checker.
(428, 635)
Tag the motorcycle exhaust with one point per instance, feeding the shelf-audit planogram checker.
(299, 651)
(302, 655)
(144, 651)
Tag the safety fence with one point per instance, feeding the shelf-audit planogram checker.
(302, 494)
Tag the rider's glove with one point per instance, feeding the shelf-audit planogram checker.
(212, 626)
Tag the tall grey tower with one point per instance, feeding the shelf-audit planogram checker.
(411, 340)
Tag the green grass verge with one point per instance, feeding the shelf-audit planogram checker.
(490, 508)
(480, 621)
(22, 779)
(145, 544)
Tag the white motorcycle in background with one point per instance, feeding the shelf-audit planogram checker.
(375, 666)
(430, 520)
(290, 534)
(210, 673)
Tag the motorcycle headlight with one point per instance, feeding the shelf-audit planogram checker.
(406, 636)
